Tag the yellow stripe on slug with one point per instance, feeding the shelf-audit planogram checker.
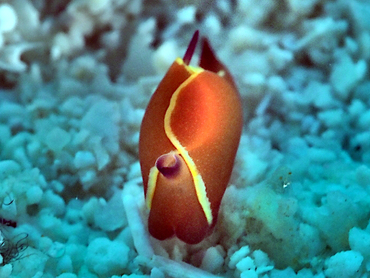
(189, 68)
(200, 187)
(152, 182)
(153, 174)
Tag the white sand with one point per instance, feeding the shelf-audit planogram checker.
(75, 78)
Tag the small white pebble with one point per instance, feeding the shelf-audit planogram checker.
(8, 18)
(364, 120)
(56, 250)
(64, 264)
(34, 195)
(351, 45)
(212, 260)
(53, 203)
(60, 46)
(87, 178)
(134, 171)
(249, 274)
(238, 255)
(246, 264)
(356, 108)
(100, 152)
(301, 7)
(282, 273)
(110, 216)
(156, 273)
(346, 74)
(84, 159)
(254, 78)
(105, 257)
(57, 139)
(97, 6)
(243, 37)
(212, 24)
(164, 56)
(44, 243)
(10, 58)
(260, 258)
(321, 94)
(343, 264)
(332, 118)
(276, 84)
(279, 58)
(186, 15)
(8, 168)
(321, 155)
(359, 240)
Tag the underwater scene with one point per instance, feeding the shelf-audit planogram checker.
(184, 139)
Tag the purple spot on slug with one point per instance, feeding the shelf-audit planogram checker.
(168, 165)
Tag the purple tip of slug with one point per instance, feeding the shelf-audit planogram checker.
(168, 165)
(191, 48)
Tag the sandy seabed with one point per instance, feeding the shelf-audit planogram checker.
(75, 78)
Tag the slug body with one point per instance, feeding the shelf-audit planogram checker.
(188, 141)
